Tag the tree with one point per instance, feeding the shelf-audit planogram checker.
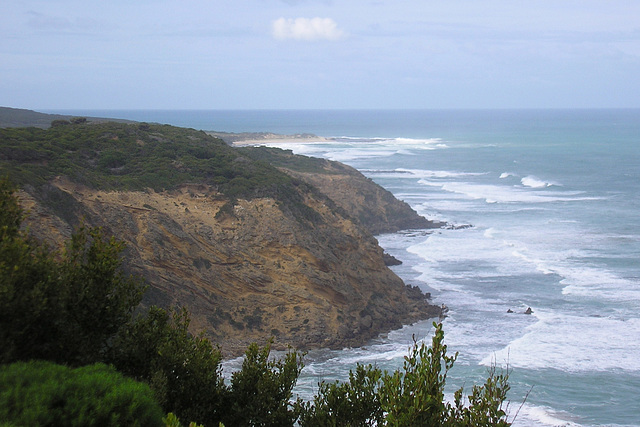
(411, 396)
(65, 307)
(183, 370)
(348, 404)
(261, 391)
(26, 288)
(98, 299)
(484, 405)
(415, 396)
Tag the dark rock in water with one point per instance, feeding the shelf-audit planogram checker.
(458, 227)
(390, 260)
(509, 311)
(529, 311)
(416, 293)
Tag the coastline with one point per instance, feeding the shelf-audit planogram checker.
(427, 313)
(265, 138)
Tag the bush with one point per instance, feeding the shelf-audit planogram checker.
(261, 391)
(183, 370)
(352, 403)
(415, 395)
(43, 393)
(411, 396)
(65, 307)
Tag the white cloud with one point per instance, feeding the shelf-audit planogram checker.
(307, 29)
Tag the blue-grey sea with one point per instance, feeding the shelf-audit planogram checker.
(553, 201)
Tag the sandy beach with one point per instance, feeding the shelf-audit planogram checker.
(280, 140)
(265, 138)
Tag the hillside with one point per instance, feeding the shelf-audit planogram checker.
(19, 117)
(366, 202)
(252, 250)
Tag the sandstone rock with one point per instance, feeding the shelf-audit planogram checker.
(258, 273)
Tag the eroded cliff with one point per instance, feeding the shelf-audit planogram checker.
(290, 261)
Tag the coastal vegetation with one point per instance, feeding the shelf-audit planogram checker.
(135, 157)
(69, 318)
(43, 393)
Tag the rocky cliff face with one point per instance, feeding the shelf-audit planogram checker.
(249, 275)
(293, 261)
(366, 202)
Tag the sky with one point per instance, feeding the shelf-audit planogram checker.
(319, 54)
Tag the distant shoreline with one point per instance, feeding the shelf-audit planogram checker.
(283, 140)
(262, 138)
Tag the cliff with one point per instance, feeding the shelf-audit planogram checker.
(251, 250)
(366, 202)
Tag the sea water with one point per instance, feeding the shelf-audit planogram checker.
(544, 208)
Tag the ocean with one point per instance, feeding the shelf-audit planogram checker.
(545, 206)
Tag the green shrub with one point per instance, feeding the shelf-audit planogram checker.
(415, 395)
(411, 396)
(261, 391)
(171, 420)
(352, 403)
(183, 370)
(65, 307)
(43, 393)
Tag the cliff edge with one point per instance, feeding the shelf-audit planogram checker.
(252, 250)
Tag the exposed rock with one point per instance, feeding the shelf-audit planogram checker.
(371, 205)
(252, 251)
(248, 276)
(390, 260)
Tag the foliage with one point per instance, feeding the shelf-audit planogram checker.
(171, 420)
(412, 396)
(415, 396)
(183, 370)
(10, 211)
(43, 393)
(184, 373)
(139, 156)
(352, 403)
(261, 391)
(484, 406)
(60, 307)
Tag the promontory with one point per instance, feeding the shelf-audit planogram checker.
(255, 242)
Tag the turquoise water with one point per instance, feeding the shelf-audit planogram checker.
(553, 198)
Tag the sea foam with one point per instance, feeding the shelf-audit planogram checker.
(571, 342)
(506, 194)
(534, 182)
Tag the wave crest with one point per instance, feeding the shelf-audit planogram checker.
(534, 182)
